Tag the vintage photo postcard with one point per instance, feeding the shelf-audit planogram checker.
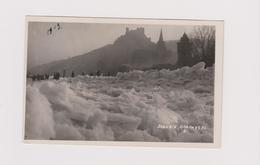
(113, 81)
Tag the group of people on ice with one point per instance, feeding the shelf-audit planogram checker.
(58, 75)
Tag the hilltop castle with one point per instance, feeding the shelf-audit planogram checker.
(139, 30)
(135, 37)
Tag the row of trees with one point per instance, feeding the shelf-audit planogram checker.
(198, 46)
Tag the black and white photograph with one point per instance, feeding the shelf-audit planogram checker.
(130, 82)
(123, 80)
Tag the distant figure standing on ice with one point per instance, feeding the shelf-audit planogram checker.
(64, 73)
(98, 73)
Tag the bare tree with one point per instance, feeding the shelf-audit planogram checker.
(203, 44)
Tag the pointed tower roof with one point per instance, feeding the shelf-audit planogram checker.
(161, 48)
(161, 36)
(185, 37)
(160, 42)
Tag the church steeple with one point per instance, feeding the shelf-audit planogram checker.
(161, 36)
(161, 48)
(160, 44)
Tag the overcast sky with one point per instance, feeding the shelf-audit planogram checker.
(78, 38)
